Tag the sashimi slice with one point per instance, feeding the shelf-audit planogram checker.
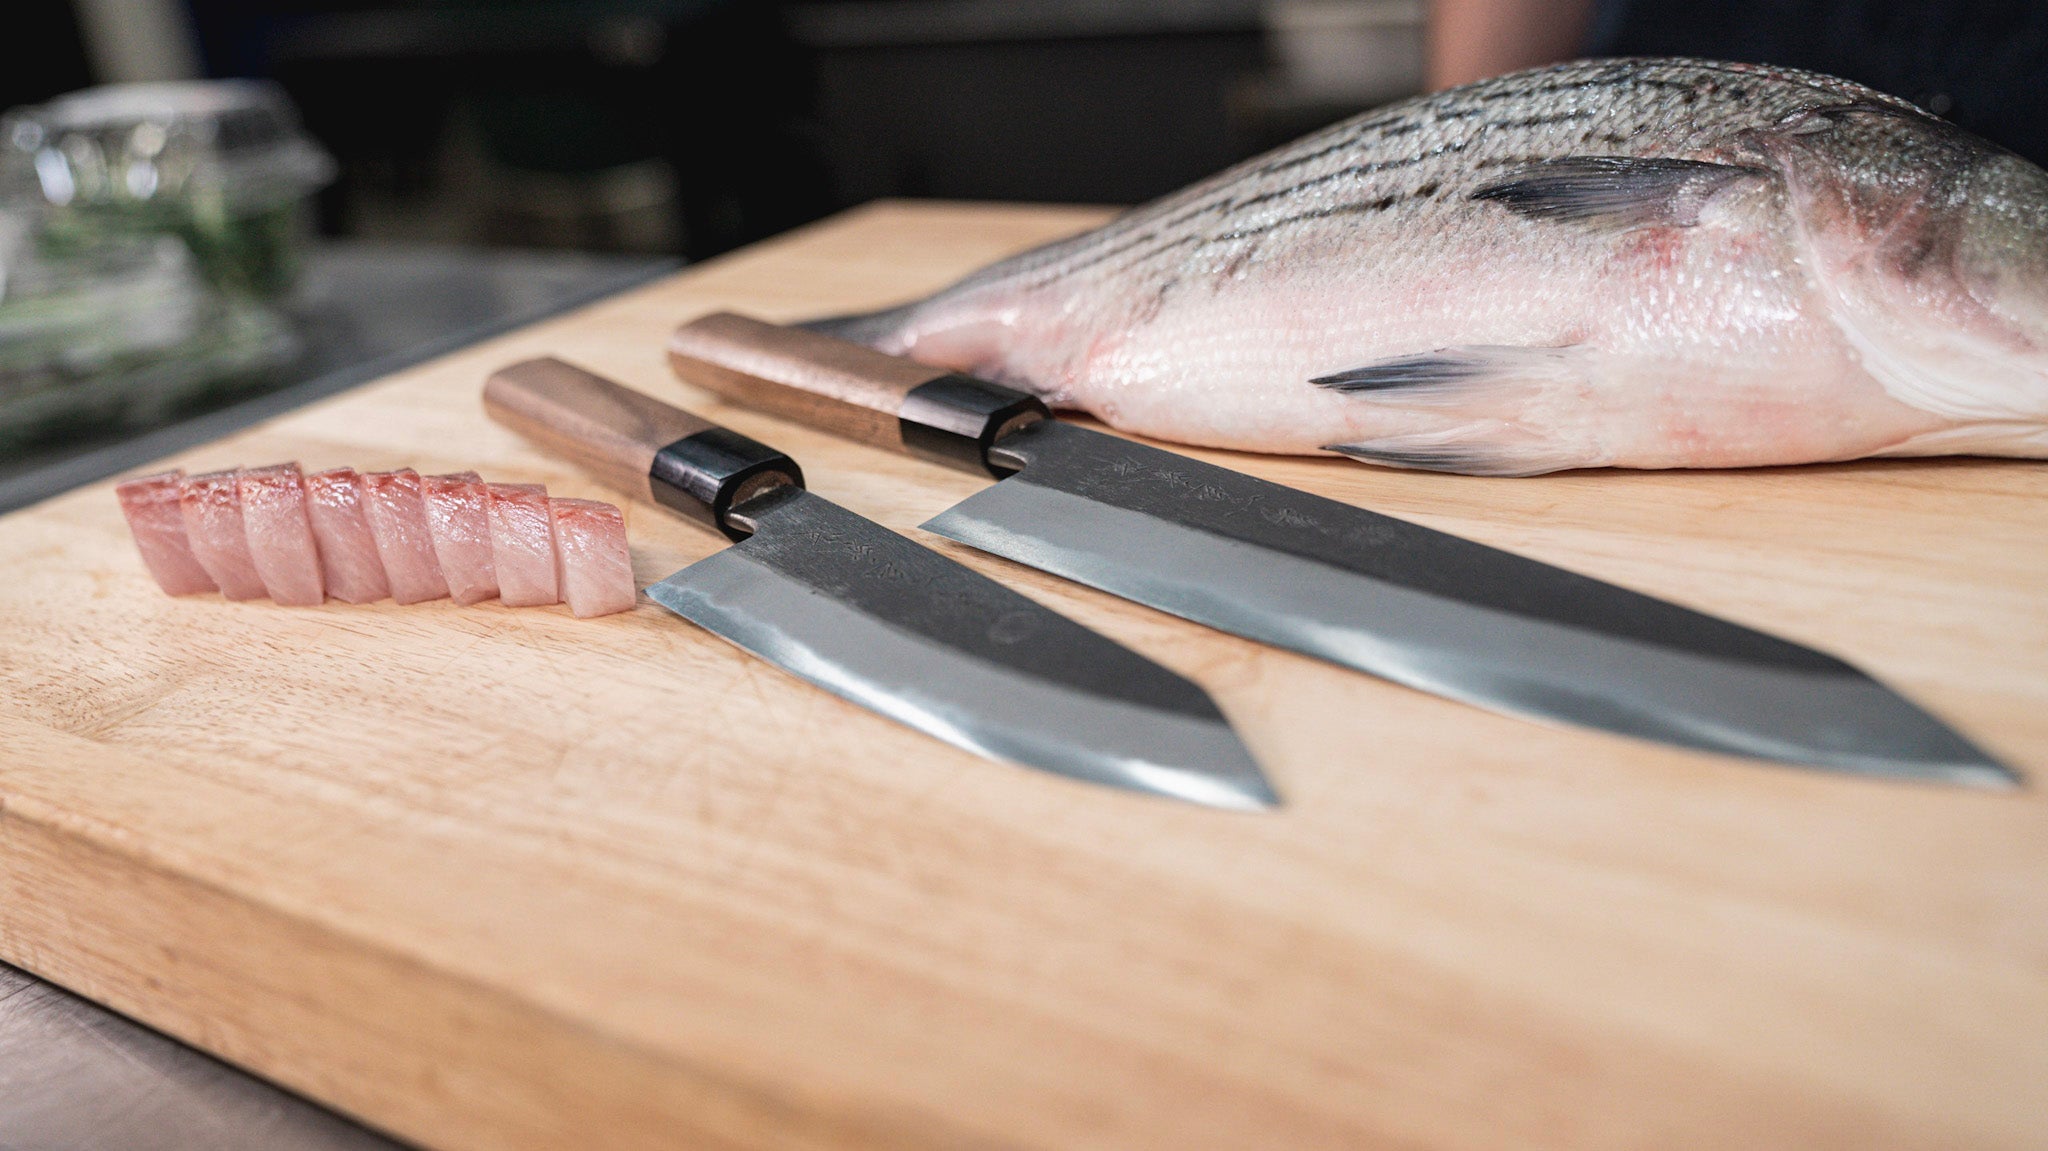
(157, 522)
(398, 524)
(459, 524)
(592, 565)
(348, 552)
(280, 536)
(523, 545)
(212, 509)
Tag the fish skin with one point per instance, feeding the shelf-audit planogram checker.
(1645, 263)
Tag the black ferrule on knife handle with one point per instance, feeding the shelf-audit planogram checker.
(636, 443)
(704, 475)
(852, 390)
(956, 419)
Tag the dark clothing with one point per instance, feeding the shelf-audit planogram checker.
(1981, 64)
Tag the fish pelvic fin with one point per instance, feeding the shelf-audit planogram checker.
(1618, 192)
(1483, 410)
(1472, 448)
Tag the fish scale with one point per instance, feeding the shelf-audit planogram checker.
(1704, 254)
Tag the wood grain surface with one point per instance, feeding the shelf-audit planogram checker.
(611, 432)
(500, 878)
(799, 375)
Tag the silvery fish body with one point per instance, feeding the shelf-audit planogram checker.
(1634, 263)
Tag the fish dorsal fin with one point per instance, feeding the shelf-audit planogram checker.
(1615, 191)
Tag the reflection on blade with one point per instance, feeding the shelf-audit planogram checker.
(1437, 612)
(876, 619)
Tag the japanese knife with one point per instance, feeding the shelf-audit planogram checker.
(872, 617)
(1417, 606)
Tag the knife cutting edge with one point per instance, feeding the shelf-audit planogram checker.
(877, 619)
(1414, 605)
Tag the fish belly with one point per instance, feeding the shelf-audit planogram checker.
(1650, 350)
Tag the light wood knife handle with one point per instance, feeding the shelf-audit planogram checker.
(850, 390)
(634, 442)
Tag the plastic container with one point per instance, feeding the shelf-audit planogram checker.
(146, 233)
(123, 336)
(220, 164)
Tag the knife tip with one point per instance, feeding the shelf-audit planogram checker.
(1244, 789)
(1960, 763)
(1987, 774)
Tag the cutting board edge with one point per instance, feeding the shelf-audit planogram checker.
(418, 1077)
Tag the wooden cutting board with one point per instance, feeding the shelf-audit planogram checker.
(495, 878)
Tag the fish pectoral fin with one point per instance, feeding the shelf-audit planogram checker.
(1462, 375)
(1615, 191)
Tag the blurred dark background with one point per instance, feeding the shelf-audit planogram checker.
(693, 126)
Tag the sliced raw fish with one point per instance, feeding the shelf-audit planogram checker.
(459, 524)
(158, 525)
(398, 523)
(362, 536)
(348, 552)
(592, 565)
(523, 545)
(212, 509)
(280, 536)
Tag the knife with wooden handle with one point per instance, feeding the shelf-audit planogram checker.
(1414, 605)
(872, 617)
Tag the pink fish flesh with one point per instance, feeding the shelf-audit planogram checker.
(1633, 263)
(360, 537)
(523, 544)
(593, 566)
(155, 519)
(398, 524)
(280, 536)
(459, 524)
(348, 552)
(212, 509)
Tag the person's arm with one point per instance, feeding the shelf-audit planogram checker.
(1473, 39)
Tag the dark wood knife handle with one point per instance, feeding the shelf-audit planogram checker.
(636, 443)
(851, 390)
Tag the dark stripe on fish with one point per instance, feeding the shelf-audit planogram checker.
(1449, 136)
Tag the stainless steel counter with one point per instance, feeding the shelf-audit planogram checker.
(74, 1076)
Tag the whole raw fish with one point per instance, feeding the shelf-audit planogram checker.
(1633, 263)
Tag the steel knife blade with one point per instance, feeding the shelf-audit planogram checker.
(873, 617)
(1386, 596)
